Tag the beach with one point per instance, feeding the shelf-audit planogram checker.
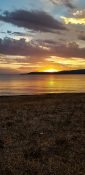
(42, 134)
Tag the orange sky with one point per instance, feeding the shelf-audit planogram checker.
(46, 35)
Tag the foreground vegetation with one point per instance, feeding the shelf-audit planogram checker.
(42, 135)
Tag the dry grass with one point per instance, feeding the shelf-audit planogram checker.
(42, 135)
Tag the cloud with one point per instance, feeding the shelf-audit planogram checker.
(40, 52)
(69, 50)
(79, 14)
(75, 21)
(9, 32)
(16, 33)
(21, 47)
(77, 17)
(45, 43)
(67, 3)
(34, 20)
(49, 41)
(71, 61)
(19, 34)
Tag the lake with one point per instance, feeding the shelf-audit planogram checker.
(39, 84)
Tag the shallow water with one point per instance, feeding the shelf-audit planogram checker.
(38, 84)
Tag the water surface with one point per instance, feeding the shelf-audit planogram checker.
(38, 84)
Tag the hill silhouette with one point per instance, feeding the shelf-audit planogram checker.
(78, 71)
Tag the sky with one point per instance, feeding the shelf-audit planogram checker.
(42, 35)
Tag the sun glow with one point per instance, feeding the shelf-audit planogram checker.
(51, 70)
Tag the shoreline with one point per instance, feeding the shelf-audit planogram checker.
(42, 94)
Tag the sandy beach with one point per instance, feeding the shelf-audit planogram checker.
(42, 134)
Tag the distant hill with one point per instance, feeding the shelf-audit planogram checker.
(79, 71)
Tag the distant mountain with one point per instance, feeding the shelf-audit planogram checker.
(79, 71)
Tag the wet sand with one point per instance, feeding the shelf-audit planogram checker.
(42, 134)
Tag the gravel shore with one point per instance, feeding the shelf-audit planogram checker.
(42, 134)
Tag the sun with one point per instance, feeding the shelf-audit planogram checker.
(51, 70)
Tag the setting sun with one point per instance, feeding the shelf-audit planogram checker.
(51, 70)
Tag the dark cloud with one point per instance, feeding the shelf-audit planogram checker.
(47, 42)
(19, 34)
(70, 50)
(20, 47)
(34, 20)
(33, 50)
(67, 3)
(9, 32)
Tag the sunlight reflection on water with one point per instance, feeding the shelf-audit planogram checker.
(37, 84)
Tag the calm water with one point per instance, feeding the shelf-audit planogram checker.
(37, 84)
